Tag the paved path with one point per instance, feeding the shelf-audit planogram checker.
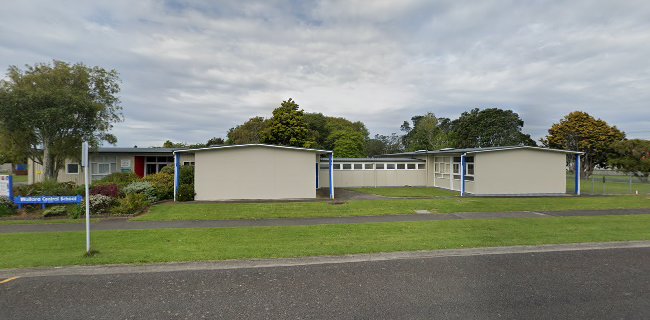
(605, 281)
(145, 225)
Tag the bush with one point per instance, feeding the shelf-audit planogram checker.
(6, 206)
(187, 175)
(76, 211)
(100, 203)
(55, 211)
(141, 187)
(110, 190)
(131, 204)
(186, 192)
(163, 183)
(48, 188)
(122, 179)
(167, 169)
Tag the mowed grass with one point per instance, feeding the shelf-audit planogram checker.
(177, 245)
(275, 210)
(411, 192)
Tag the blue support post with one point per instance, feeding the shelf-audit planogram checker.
(11, 189)
(331, 167)
(177, 174)
(462, 175)
(317, 174)
(577, 177)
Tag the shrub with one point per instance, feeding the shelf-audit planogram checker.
(6, 206)
(131, 204)
(48, 188)
(76, 211)
(167, 169)
(55, 211)
(186, 192)
(110, 190)
(122, 179)
(163, 183)
(141, 187)
(100, 203)
(187, 175)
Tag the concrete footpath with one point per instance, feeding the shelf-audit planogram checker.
(146, 225)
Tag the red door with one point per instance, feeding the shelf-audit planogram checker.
(139, 166)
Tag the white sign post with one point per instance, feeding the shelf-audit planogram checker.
(84, 164)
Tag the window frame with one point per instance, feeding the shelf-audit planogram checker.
(67, 168)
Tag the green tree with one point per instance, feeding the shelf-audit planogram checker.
(348, 144)
(248, 132)
(490, 127)
(56, 107)
(426, 134)
(579, 131)
(215, 141)
(382, 144)
(632, 157)
(287, 127)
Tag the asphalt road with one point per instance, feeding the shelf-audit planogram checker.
(589, 284)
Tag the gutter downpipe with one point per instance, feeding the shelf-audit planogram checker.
(177, 174)
(462, 174)
(331, 165)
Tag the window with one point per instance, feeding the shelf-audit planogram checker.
(368, 166)
(153, 164)
(456, 168)
(410, 166)
(72, 168)
(358, 166)
(390, 166)
(379, 166)
(422, 166)
(441, 167)
(347, 166)
(336, 166)
(324, 165)
(401, 166)
(188, 163)
(101, 166)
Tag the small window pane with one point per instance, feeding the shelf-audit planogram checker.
(390, 166)
(151, 159)
(421, 166)
(358, 166)
(401, 166)
(469, 159)
(470, 168)
(379, 166)
(368, 166)
(104, 168)
(337, 166)
(456, 159)
(410, 166)
(457, 177)
(347, 166)
(73, 168)
(456, 168)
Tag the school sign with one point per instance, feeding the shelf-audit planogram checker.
(6, 186)
(44, 200)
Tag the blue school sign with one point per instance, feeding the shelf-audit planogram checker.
(44, 200)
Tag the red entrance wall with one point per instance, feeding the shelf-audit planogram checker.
(139, 166)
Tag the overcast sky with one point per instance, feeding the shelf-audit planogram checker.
(191, 70)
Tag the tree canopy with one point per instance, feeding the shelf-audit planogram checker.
(425, 134)
(490, 127)
(632, 157)
(287, 127)
(56, 107)
(248, 132)
(579, 131)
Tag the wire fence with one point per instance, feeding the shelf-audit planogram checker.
(608, 184)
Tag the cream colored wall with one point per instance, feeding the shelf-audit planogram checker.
(520, 172)
(374, 178)
(255, 173)
(35, 173)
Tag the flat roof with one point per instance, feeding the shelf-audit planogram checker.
(132, 150)
(481, 150)
(237, 146)
(375, 160)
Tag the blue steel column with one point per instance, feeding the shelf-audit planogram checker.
(11, 189)
(177, 174)
(331, 175)
(577, 170)
(317, 174)
(462, 175)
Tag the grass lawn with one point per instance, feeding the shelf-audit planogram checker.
(411, 192)
(167, 245)
(238, 211)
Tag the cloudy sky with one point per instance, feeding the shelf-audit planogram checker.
(192, 69)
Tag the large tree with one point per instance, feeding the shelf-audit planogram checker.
(55, 107)
(632, 157)
(492, 127)
(579, 131)
(426, 134)
(382, 144)
(287, 127)
(248, 132)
